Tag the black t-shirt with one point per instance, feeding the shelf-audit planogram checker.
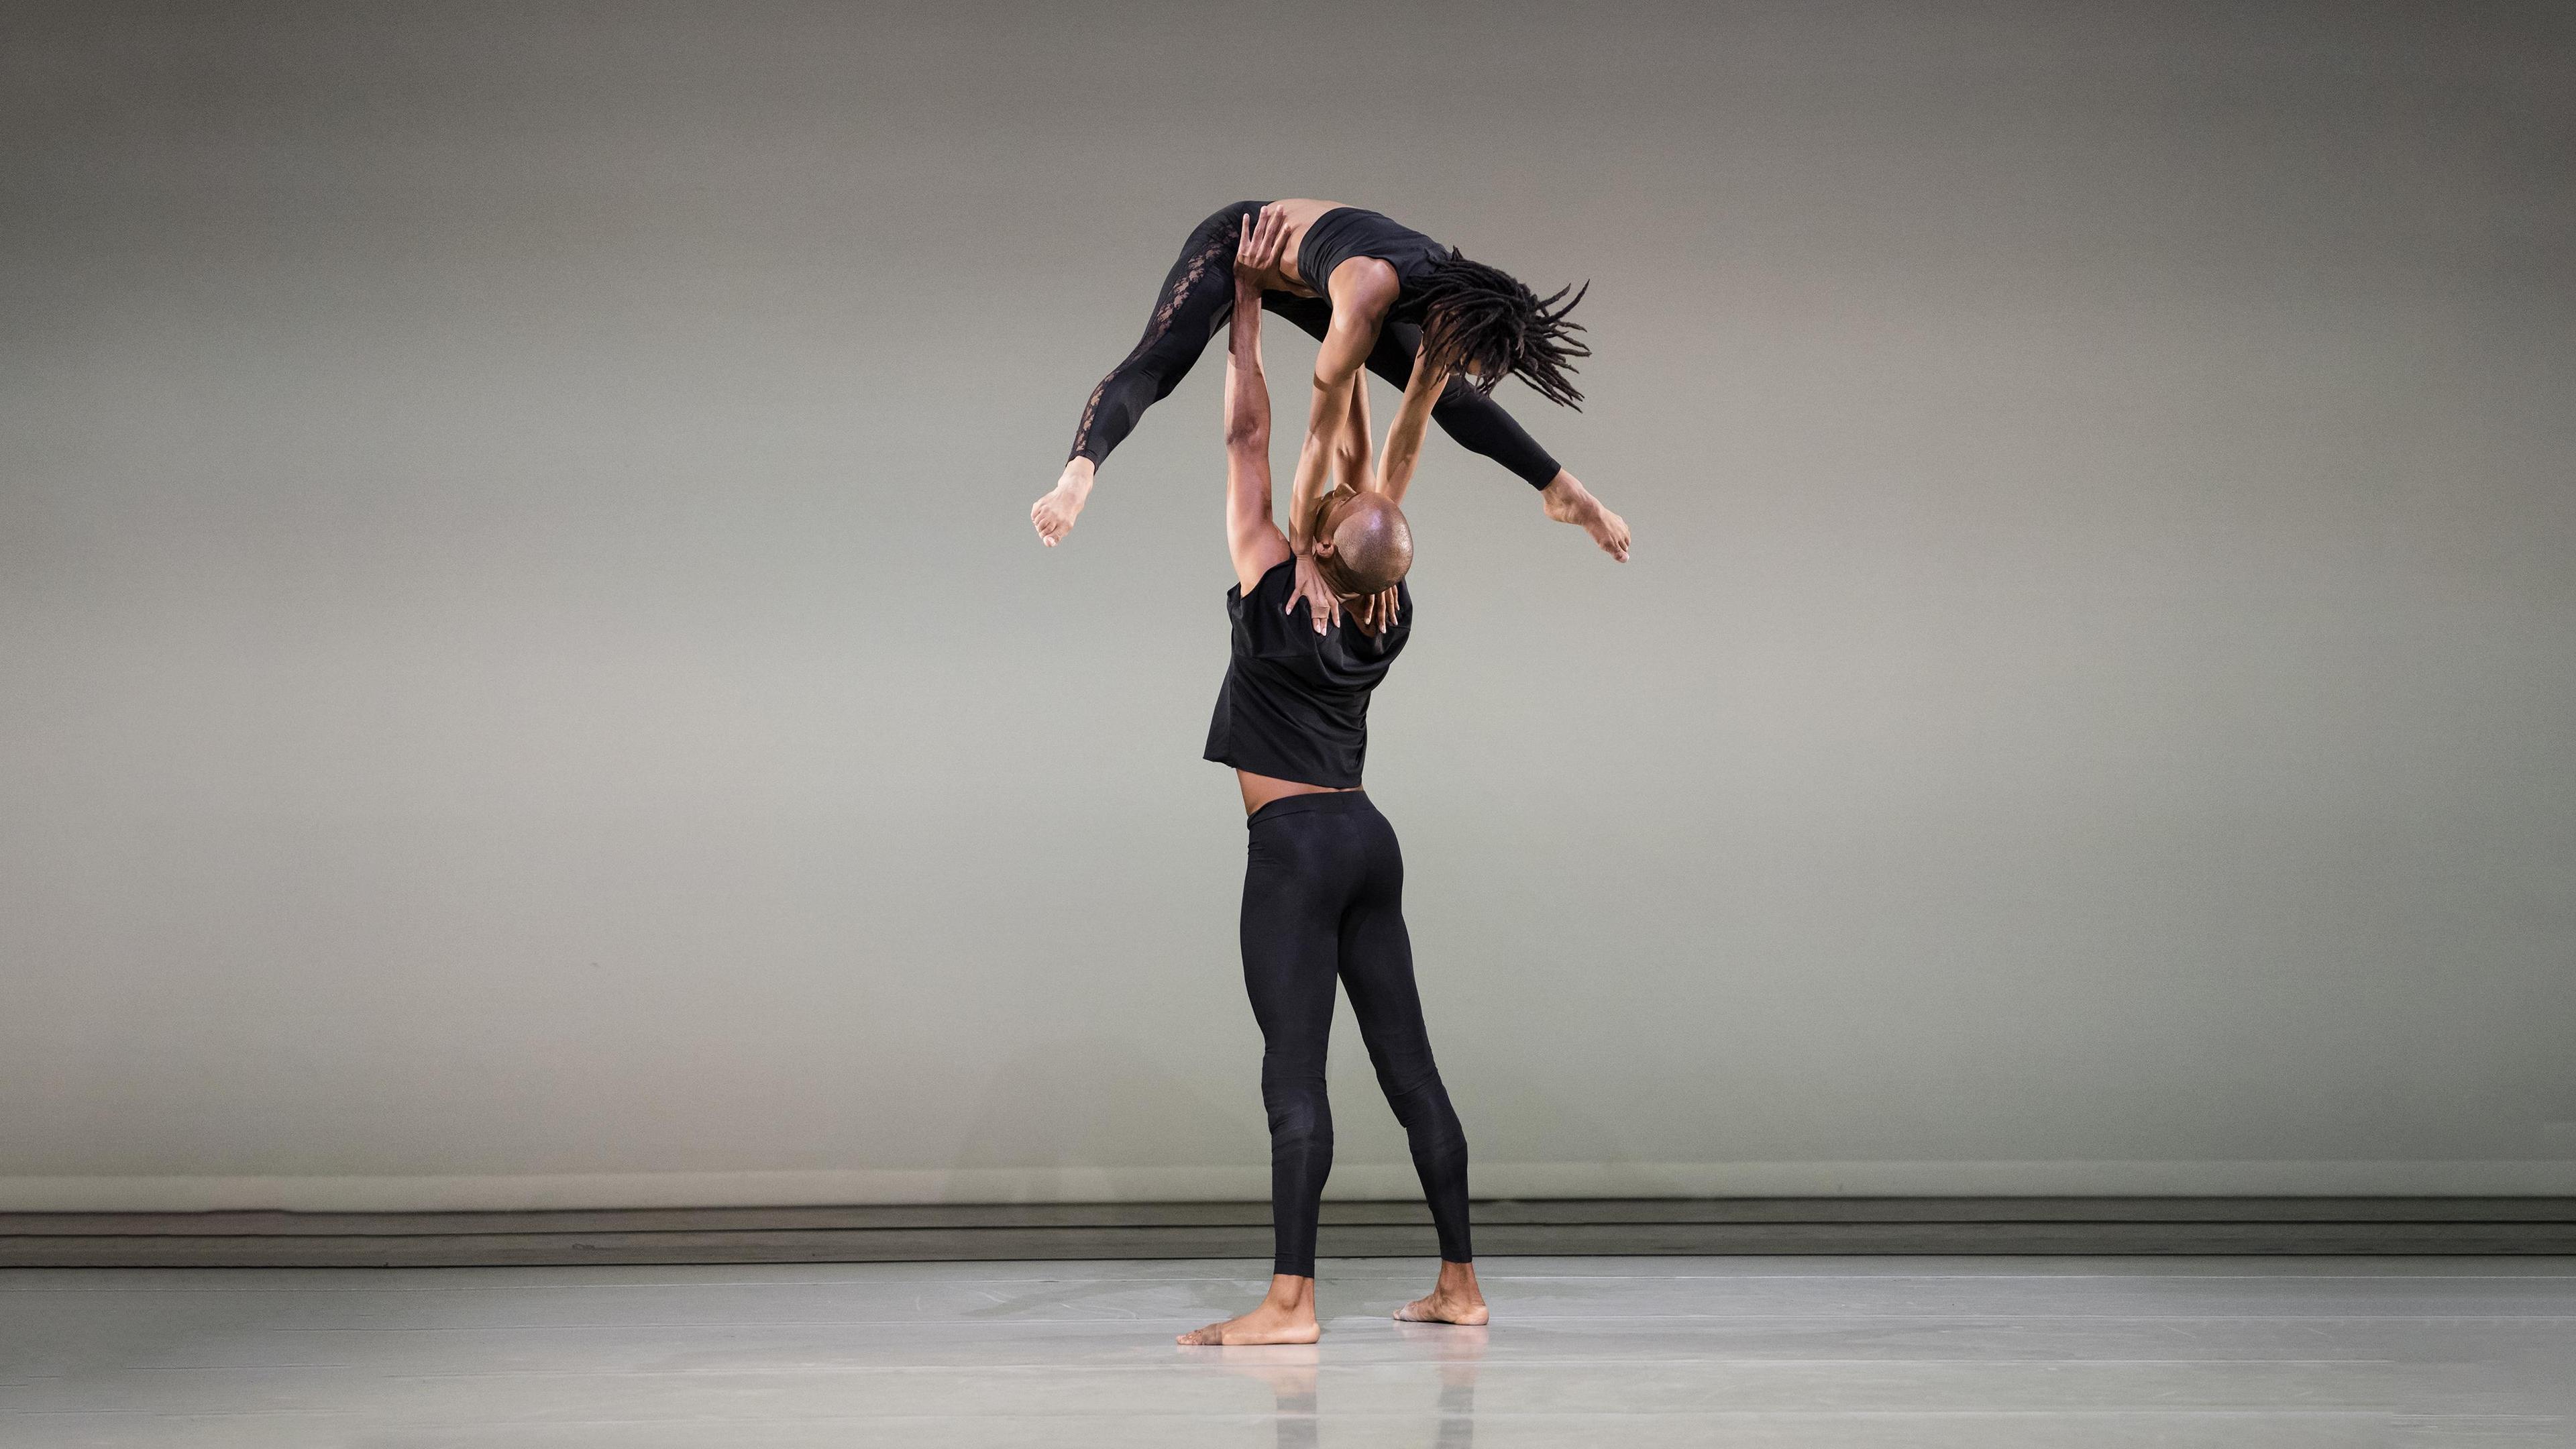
(1295, 703)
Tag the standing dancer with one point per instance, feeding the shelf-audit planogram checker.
(1323, 887)
(1373, 293)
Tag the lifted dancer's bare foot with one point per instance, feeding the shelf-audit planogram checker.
(1054, 514)
(1568, 501)
(1286, 1316)
(1454, 1299)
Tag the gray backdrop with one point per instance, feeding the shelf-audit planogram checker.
(528, 680)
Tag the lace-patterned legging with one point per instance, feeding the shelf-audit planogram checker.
(1195, 302)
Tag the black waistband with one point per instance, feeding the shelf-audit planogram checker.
(1337, 802)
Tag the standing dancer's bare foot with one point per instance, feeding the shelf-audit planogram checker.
(1286, 1316)
(1568, 501)
(1454, 1299)
(1054, 514)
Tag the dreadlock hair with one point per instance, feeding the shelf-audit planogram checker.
(1473, 313)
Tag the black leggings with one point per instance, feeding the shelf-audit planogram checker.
(1197, 299)
(1323, 897)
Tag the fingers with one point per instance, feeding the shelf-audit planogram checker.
(1263, 233)
(1254, 245)
(1323, 605)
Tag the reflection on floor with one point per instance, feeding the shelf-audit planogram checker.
(1851, 1352)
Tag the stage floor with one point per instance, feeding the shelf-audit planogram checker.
(1853, 1353)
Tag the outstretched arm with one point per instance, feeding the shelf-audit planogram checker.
(1362, 289)
(1412, 420)
(1251, 536)
(1423, 389)
(1351, 448)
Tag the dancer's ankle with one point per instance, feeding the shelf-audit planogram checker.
(1290, 1294)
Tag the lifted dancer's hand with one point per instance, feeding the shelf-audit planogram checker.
(1377, 611)
(1322, 604)
(1263, 240)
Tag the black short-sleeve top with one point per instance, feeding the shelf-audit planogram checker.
(1294, 705)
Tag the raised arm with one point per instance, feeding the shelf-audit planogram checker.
(1251, 536)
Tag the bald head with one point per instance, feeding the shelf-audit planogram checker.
(1369, 544)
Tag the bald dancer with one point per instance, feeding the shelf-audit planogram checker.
(1323, 885)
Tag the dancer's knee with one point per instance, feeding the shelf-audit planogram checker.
(1407, 1076)
(1302, 1116)
(1422, 1106)
(1297, 1103)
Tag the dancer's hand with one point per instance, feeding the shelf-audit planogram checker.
(1322, 604)
(1259, 246)
(1377, 611)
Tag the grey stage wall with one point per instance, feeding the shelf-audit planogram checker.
(528, 683)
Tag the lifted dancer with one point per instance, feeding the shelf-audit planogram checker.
(1373, 293)
(1323, 883)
